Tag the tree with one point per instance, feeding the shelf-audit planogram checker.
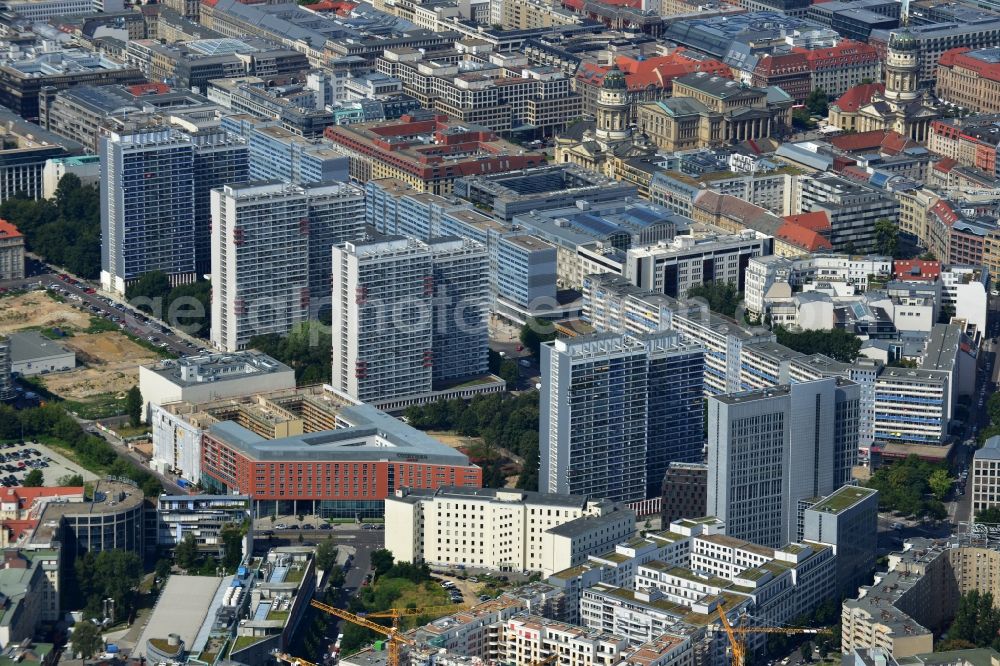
(886, 237)
(381, 560)
(818, 102)
(34, 479)
(306, 349)
(186, 552)
(940, 483)
(989, 516)
(509, 372)
(326, 555)
(65, 230)
(70, 480)
(824, 648)
(232, 544)
(162, 569)
(87, 640)
(273, 518)
(152, 285)
(837, 343)
(722, 297)
(133, 406)
(801, 119)
(534, 332)
(806, 650)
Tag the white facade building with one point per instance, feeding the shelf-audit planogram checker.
(260, 262)
(210, 377)
(506, 529)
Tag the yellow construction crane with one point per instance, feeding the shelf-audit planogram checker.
(737, 635)
(395, 639)
(294, 661)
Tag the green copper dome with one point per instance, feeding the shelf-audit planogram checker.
(614, 79)
(903, 41)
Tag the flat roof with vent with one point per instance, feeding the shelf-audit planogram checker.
(366, 434)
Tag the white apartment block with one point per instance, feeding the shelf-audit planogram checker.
(506, 529)
(986, 476)
(764, 272)
(967, 290)
(912, 406)
(382, 339)
(260, 262)
(43, 10)
(761, 274)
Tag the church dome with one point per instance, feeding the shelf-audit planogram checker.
(614, 79)
(903, 41)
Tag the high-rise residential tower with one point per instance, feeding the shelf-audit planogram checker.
(220, 158)
(382, 313)
(147, 207)
(769, 449)
(260, 261)
(616, 410)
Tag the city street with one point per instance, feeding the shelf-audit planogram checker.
(136, 323)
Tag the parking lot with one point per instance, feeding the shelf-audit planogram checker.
(17, 460)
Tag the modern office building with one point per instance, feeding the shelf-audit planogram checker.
(11, 252)
(177, 427)
(279, 154)
(260, 262)
(111, 518)
(147, 207)
(852, 209)
(204, 517)
(985, 476)
(541, 188)
(460, 340)
(771, 448)
(685, 491)
(506, 529)
(345, 473)
(616, 410)
(846, 520)
(526, 274)
(689, 261)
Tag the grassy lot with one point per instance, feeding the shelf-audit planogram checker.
(245, 642)
(99, 407)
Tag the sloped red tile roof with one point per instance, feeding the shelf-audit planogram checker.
(961, 58)
(25, 497)
(16, 528)
(803, 237)
(858, 96)
(946, 164)
(657, 72)
(8, 230)
(816, 221)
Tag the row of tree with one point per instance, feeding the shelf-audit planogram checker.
(993, 411)
(502, 421)
(187, 306)
(65, 230)
(722, 297)
(913, 487)
(306, 349)
(390, 580)
(51, 423)
(837, 343)
(188, 557)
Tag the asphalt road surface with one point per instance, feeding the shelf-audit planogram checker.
(106, 306)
